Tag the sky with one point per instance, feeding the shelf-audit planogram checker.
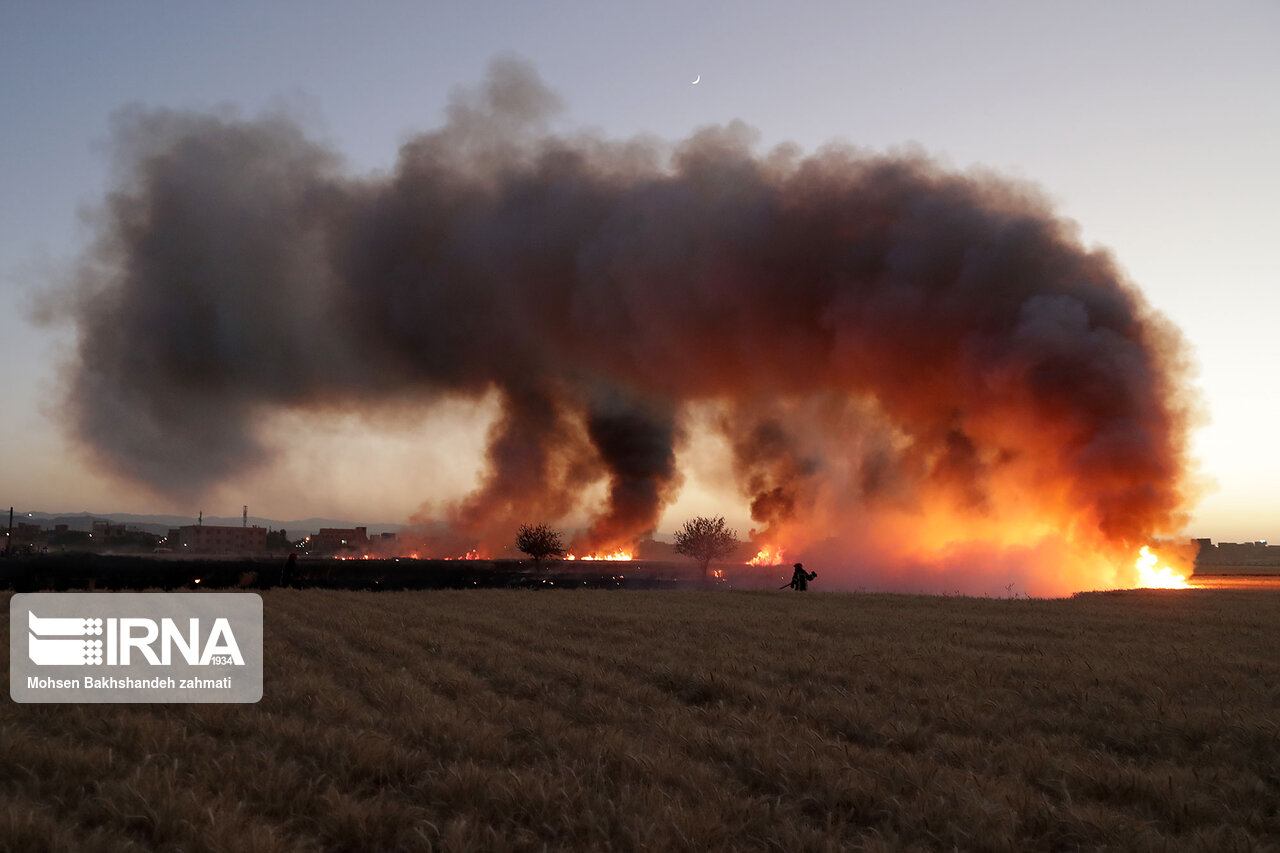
(1154, 126)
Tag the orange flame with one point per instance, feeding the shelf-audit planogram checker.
(1150, 577)
(618, 555)
(770, 555)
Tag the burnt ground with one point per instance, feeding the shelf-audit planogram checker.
(118, 572)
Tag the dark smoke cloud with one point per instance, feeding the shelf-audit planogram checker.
(879, 333)
(637, 448)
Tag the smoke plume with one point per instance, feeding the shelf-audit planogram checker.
(922, 374)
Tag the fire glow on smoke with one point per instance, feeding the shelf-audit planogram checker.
(923, 378)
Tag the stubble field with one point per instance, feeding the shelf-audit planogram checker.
(590, 720)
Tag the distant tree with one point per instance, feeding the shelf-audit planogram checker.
(706, 539)
(539, 541)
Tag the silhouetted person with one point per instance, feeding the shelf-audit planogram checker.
(800, 578)
(290, 568)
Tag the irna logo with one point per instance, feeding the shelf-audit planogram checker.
(93, 641)
(79, 647)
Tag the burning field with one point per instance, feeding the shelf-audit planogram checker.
(924, 379)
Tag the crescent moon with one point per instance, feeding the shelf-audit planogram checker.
(699, 77)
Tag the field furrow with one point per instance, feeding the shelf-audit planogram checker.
(516, 720)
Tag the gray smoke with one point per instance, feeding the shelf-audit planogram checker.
(873, 324)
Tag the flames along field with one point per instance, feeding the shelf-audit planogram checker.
(516, 720)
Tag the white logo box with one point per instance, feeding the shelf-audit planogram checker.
(135, 647)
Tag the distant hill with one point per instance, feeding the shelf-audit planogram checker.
(161, 524)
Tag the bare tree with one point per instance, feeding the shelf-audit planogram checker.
(706, 539)
(539, 541)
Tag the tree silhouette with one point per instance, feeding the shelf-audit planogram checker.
(705, 539)
(539, 541)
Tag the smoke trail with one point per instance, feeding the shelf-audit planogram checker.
(893, 346)
(636, 446)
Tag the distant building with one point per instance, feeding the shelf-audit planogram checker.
(103, 530)
(341, 539)
(1237, 554)
(217, 539)
(27, 535)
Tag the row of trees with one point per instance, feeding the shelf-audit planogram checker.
(704, 539)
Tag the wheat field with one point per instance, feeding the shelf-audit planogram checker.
(593, 720)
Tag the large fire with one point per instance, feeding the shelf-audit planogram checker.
(617, 555)
(1151, 577)
(770, 555)
(960, 395)
(1149, 570)
(1082, 568)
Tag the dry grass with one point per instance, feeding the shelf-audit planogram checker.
(497, 720)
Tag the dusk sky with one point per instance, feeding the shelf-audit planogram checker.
(1154, 126)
